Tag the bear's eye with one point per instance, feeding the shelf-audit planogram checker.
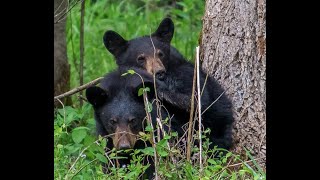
(160, 54)
(113, 121)
(141, 59)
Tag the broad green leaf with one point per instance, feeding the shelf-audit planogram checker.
(148, 128)
(101, 158)
(148, 151)
(163, 153)
(162, 143)
(212, 161)
(140, 91)
(78, 135)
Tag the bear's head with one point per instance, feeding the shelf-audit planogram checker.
(120, 111)
(150, 52)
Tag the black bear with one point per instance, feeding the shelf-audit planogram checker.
(155, 55)
(120, 112)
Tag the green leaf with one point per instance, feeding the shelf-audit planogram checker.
(148, 151)
(234, 176)
(104, 142)
(212, 161)
(163, 153)
(78, 135)
(168, 174)
(101, 158)
(149, 107)
(140, 91)
(130, 71)
(162, 143)
(148, 128)
(81, 127)
(174, 134)
(208, 173)
(59, 146)
(146, 89)
(167, 137)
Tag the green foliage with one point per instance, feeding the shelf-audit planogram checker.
(78, 154)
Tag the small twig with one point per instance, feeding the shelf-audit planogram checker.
(153, 142)
(80, 88)
(232, 165)
(191, 114)
(199, 108)
(64, 15)
(158, 108)
(56, 10)
(82, 168)
(204, 84)
(76, 160)
(215, 100)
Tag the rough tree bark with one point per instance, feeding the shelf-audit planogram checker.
(233, 51)
(61, 66)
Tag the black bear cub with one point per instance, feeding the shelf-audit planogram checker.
(120, 113)
(154, 54)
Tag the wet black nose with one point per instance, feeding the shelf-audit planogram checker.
(160, 74)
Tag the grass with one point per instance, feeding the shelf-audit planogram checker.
(78, 153)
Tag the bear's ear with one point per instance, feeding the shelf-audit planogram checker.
(147, 84)
(165, 30)
(96, 96)
(114, 43)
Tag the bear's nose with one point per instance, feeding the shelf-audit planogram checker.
(124, 146)
(124, 143)
(160, 74)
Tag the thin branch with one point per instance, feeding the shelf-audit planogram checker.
(78, 89)
(153, 142)
(82, 168)
(81, 46)
(191, 114)
(64, 15)
(205, 82)
(74, 163)
(199, 108)
(215, 100)
(64, 115)
(56, 10)
(244, 162)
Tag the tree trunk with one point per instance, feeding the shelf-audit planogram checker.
(233, 51)
(61, 66)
